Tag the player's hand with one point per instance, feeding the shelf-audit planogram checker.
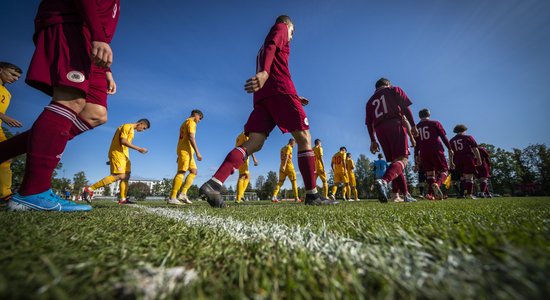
(283, 168)
(374, 148)
(143, 150)
(256, 82)
(199, 156)
(452, 166)
(101, 54)
(304, 101)
(478, 162)
(11, 121)
(413, 141)
(256, 163)
(414, 131)
(111, 84)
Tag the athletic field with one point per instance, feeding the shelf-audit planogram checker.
(488, 248)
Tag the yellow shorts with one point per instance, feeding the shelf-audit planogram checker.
(2, 135)
(340, 178)
(320, 171)
(288, 172)
(186, 161)
(120, 164)
(243, 169)
(351, 179)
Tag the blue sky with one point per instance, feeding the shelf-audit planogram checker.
(482, 63)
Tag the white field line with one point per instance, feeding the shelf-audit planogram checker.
(409, 262)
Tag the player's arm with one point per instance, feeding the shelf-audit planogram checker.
(10, 121)
(285, 160)
(101, 52)
(254, 159)
(477, 155)
(404, 104)
(127, 143)
(194, 145)
(111, 84)
(451, 160)
(369, 121)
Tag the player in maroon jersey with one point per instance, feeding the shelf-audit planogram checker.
(276, 103)
(71, 63)
(464, 150)
(429, 151)
(384, 116)
(483, 172)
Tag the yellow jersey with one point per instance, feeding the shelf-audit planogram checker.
(350, 165)
(5, 98)
(125, 131)
(184, 143)
(318, 151)
(339, 162)
(286, 151)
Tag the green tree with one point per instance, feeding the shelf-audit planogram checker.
(269, 185)
(503, 171)
(60, 184)
(193, 192)
(79, 182)
(138, 190)
(107, 190)
(363, 175)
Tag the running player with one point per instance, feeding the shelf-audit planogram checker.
(464, 150)
(187, 146)
(275, 103)
(287, 170)
(119, 159)
(484, 173)
(338, 165)
(384, 115)
(244, 173)
(320, 166)
(350, 169)
(429, 152)
(71, 63)
(9, 73)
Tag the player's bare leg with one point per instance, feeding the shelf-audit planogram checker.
(469, 186)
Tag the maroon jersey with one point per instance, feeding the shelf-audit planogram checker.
(431, 134)
(99, 16)
(387, 103)
(485, 160)
(273, 58)
(462, 145)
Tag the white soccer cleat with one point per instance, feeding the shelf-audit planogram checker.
(183, 198)
(174, 201)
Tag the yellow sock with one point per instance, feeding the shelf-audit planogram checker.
(344, 191)
(277, 188)
(356, 193)
(325, 189)
(240, 188)
(188, 182)
(5, 179)
(245, 184)
(295, 189)
(103, 182)
(123, 189)
(176, 185)
(334, 189)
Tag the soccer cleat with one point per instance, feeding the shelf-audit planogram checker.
(382, 190)
(409, 198)
(174, 201)
(47, 201)
(331, 197)
(317, 200)
(350, 200)
(437, 191)
(275, 200)
(123, 201)
(471, 196)
(489, 195)
(298, 200)
(211, 191)
(183, 198)
(429, 197)
(357, 199)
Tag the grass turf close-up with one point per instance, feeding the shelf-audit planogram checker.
(486, 248)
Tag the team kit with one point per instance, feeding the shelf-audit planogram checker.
(71, 64)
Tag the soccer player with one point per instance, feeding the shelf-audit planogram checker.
(9, 73)
(287, 170)
(338, 165)
(71, 63)
(483, 172)
(244, 173)
(384, 116)
(320, 166)
(429, 152)
(119, 159)
(275, 103)
(464, 150)
(187, 146)
(350, 169)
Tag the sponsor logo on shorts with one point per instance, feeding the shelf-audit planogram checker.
(306, 121)
(75, 76)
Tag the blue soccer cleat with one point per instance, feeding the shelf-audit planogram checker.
(46, 201)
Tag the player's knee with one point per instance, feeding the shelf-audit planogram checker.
(302, 138)
(193, 171)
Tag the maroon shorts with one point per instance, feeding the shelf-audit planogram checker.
(393, 139)
(483, 171)
(434, 161)
(464, 164)
(62, 58)
(285, 111)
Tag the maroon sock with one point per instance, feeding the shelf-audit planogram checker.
(430, 181)
(468, 187)
(14, 146)
(306, 164)
(393, 171)
(483, 186)
(402, 184)
(47, 140)
(232, 161)
(441, 178)
(79, 126)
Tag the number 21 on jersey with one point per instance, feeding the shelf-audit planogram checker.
(380, 103)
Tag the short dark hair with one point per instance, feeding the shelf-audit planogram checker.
(382, 82)
(460, 128)
(380, 155)
(145, 121)
(317, 141)
(349, 154)
(196, 111)
(343, 148)
(7, 65)
(424, 113)
(291, 140)
(283, 19)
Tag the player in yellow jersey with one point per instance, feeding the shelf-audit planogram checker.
(9, 73)
(350, 169)
(287, 170)
(244, 174)
(338, 165)
(119, 159)
(320, 166)
(187, 147)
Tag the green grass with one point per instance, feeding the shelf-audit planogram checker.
(488, 248)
